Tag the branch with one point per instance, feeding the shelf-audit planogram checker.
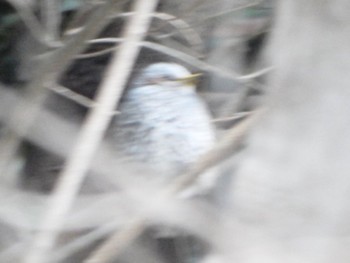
(192, 37)
(50, 68)
(51, 15)
(181, 56)
(92, 132)
(222, 150)
(31, 22)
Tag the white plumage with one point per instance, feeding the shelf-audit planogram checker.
(163, 124)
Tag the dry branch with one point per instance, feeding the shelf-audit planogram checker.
(182, 56)
(48, 72)
(91, 133)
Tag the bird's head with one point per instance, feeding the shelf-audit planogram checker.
(167, 74)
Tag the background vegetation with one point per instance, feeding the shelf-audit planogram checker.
(275, 78)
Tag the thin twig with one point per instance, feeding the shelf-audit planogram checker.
(184, 57)
(222, 150)
(118, 241)
(236, 116)
(83, 241)
(76, 97)
(192, 37)
(91, 133)
(73, 96)
(227, 12)
(78, 21)
(97, 53)
(204, 65)
(32, 22)
(51, 16)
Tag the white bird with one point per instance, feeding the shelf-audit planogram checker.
(164, 126)
(163, 123)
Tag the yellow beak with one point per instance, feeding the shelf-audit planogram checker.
(190, 80)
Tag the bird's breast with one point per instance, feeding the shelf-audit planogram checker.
(173, 130)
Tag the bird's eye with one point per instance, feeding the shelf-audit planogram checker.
(168, 78)
(160, 79)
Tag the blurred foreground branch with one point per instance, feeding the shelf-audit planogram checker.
(92, 132)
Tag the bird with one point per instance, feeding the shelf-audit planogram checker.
(165, 127)
(163, 123)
